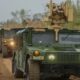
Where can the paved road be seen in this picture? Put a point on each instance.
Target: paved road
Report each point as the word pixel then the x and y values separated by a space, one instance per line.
pixel 5 69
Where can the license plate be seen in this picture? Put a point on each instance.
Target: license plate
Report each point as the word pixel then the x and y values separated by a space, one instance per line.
pixel 38 57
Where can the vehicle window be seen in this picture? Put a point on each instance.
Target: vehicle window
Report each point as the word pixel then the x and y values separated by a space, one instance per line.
pixel 69 38
pixel 42 38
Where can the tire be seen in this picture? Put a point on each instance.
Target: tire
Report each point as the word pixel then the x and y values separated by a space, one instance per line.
pixel 16 72
pixel 4 52
pixel 13 62
pixel 33 70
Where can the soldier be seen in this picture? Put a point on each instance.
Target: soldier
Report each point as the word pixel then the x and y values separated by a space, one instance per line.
pixel 53 12
pixel 60 12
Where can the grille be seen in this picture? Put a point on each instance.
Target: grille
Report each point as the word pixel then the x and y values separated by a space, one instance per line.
pixel 64 57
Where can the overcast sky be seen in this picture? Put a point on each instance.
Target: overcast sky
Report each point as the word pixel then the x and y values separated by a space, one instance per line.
pixel 35 6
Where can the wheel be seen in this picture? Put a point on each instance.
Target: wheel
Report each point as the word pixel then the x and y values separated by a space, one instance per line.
pixel 4 51
pixel 13 62
pixel 16 72
pixel 33 70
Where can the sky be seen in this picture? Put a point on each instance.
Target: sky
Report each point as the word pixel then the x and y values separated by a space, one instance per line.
pixel 33 6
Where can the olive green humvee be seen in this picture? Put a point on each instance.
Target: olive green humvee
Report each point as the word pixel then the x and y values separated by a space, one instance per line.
pixel 38 57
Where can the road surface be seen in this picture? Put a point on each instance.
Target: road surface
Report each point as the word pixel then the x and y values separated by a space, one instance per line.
pixel 5 69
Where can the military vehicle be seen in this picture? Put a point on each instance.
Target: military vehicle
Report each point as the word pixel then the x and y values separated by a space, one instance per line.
pixel 47 53
pixel 7 42
pixel 7 47
pixel 37 55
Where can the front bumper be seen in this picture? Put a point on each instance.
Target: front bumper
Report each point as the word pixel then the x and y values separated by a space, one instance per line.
pixel 58 58
pixel 60 70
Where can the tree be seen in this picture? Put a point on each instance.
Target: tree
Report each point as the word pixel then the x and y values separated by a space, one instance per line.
pixel 15 16
pixel 21 16
pixel 37 16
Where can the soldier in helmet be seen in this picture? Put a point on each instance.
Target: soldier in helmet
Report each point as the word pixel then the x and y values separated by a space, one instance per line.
pixel 60 12
pixel 53 12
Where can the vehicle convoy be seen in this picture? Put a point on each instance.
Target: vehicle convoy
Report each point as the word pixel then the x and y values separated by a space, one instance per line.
pixel 44 54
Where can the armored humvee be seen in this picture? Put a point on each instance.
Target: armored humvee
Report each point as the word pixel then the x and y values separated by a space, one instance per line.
pixel 38 57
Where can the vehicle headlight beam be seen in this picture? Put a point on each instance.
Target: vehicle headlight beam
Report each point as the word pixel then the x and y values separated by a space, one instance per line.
pixel 51 57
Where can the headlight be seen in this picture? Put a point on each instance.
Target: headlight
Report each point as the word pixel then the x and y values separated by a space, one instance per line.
pixel 51 57
pixel 36 53
pixel 12 43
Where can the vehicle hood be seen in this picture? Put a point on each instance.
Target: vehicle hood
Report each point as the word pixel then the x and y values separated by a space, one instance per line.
pixel 50 48
pixel 42 49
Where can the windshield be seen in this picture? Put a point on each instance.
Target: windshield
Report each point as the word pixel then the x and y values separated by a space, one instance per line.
pixel 42 38
pixel 69 38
